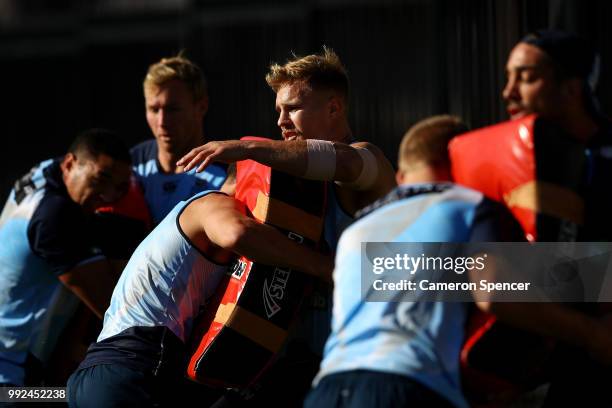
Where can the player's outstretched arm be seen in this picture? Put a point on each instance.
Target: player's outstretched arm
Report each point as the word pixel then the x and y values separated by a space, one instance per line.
pixel 217 224
pixel 359 166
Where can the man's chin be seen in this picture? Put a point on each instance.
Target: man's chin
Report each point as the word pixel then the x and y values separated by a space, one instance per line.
pixel 166 140
pixel 518 115
pixel 173 146
pixel 294 137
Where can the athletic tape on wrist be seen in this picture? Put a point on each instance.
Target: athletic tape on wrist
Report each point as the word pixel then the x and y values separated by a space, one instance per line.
pixel 321 160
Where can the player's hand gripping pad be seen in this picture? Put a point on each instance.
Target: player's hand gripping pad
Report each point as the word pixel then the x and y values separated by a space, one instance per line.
pixel 240 338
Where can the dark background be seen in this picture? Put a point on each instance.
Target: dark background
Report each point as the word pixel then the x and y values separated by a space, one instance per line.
pixel 67 65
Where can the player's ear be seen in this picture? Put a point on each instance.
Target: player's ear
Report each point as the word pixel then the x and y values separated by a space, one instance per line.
pixel 68 162
pixel 399 177
pixel 335 105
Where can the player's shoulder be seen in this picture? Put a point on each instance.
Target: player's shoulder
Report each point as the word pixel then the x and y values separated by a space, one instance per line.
pixel 56 207
pixel 144 151
pixel 368 146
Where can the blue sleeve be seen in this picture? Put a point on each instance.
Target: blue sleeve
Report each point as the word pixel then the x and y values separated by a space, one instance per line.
pixel 58 232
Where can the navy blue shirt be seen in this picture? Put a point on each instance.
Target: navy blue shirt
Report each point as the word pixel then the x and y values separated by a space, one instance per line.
pixel 164 190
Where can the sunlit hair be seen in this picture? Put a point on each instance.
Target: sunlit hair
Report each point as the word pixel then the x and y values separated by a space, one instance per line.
pixel 427 142
pixel 322 71
pixel 180 68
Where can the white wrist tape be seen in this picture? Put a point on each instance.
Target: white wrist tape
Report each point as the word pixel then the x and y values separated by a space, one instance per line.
pixel 321 160
pixel 369 171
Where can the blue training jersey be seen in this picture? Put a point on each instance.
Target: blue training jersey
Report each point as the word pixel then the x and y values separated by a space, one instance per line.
pixel 162 290
pixel 315 319
pixel 421 340
pixel 166 282
pixel 43 234
pixel 336 218
pixel 163 191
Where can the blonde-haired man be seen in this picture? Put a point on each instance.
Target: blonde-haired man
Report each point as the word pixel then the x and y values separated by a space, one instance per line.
pixel 176 101
pixel 312 104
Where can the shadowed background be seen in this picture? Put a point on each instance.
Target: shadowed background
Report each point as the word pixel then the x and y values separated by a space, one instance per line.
pixel 69 65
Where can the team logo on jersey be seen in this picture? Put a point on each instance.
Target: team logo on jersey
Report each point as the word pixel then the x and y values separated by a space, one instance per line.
pixel 295 237
pixel 25 186
pixel 238 268
pixel 274 291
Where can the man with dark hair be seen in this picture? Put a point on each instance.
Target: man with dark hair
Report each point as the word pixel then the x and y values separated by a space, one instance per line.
pixel 554 74
pixel 47 246
pixel 92 143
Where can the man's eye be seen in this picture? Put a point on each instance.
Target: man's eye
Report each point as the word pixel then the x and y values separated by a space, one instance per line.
pixel 528 76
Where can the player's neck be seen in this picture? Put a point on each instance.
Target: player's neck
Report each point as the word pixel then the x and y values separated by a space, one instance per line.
pixel 344 132
pixel 167 161
pixel 422 173
pixel 167 158
pixel 582 127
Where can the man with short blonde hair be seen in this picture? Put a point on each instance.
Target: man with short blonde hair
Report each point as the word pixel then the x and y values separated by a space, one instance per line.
pixel 319 71
pixel 176 102
pixel 180 68
pixel 312 105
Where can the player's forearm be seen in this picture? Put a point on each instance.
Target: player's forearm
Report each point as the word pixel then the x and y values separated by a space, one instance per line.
pixel 93 284
pixel 290 156
pixel 265 244
pixel 307 159
pixel 96 303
